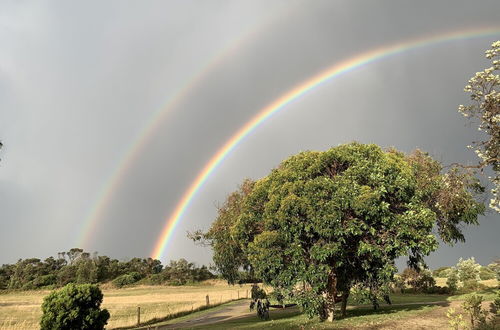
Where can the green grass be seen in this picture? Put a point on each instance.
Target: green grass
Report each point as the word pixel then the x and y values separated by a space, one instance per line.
pixel 407 298
pixel 488 294
pixel 357 315
pixel 293 319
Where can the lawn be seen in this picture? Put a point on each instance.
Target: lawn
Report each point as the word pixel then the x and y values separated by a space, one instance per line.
pixel 21 310
pixel 413 309
pixel 356 316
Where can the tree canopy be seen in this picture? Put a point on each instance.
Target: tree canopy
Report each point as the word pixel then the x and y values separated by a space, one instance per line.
pixel 484 89
pixel 322 222
pixel 77 266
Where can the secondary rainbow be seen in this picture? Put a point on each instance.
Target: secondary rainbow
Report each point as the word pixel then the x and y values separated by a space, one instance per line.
pixel 332 72
pixel 132 152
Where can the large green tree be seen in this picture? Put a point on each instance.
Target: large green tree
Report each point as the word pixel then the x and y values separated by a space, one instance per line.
pixel 324 221
pixel 484 89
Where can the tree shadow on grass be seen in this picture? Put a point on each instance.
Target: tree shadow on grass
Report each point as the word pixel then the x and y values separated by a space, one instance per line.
pixel 389 309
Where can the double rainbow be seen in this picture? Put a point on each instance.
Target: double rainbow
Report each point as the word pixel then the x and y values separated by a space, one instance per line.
pixel 332 72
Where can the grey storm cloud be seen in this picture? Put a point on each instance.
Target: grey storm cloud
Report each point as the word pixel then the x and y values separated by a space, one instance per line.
pixel 80 81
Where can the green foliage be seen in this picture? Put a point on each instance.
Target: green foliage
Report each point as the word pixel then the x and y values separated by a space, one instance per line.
pixel 324 221
pixel 228 255
pixel 86 271
pixel 420 280
pixel 484 89
pixel 452 280
pixel 45 280
pixel 311 304
pixel 66 275
pixel 486 273
pixel 441 272
pixel 74 307
pixel 468 270
pixel 495 267
pixel 472 305
pixel 455 320
pixel 258 293
pixel 470 286
pixel 78 266
pixel 496 303
pixel 126 279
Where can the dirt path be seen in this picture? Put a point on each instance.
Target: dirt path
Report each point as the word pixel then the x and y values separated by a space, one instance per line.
pixel 232 311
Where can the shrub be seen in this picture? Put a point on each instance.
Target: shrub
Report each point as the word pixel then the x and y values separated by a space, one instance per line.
pixel 452 281
pixel 471 286
pixel 472 305
pixel 486 274
pixel 420 280
pixel 441 272
pixel 436 289
pixel 126 279
pixel 496 304
pixel 495 267
pixel 156 279
pixel 455 320
pixel 45 280
pixel 74 307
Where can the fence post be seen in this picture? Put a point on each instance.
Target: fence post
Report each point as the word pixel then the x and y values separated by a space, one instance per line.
pixel 208 300
pixel 247 293
pixel 138 315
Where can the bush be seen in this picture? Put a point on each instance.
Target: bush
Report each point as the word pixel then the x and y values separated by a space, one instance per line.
pixel 45 280
pixel 486 274
pixel 126 279
pixel 472 285
pixel 74 307
pixel 441 272
pixel 496 304
pixel 452 281
pixel 436 289
pixel 472 305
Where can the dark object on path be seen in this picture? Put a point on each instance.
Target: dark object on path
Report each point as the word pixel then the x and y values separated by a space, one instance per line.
pixel 259 299
pixel 283 306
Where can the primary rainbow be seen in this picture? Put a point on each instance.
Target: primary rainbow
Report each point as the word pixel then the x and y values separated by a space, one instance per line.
pixel 332 72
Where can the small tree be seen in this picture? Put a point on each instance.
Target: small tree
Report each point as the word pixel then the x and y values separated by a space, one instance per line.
pixel 472 305
pixel 74 307
pixel 452 281
pixel 468 270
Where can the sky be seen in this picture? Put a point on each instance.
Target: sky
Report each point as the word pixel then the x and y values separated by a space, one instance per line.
pixel 82 82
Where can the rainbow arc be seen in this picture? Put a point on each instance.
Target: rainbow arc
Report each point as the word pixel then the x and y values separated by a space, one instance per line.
pixel 335 71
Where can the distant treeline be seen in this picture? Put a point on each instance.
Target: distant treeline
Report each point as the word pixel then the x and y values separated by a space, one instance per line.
pixel 77 266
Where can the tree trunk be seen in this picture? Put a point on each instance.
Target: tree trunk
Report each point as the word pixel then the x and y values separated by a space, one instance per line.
pixel 345 295
pixel 331 294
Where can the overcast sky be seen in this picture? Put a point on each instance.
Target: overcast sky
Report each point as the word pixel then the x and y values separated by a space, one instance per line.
pixel 79 81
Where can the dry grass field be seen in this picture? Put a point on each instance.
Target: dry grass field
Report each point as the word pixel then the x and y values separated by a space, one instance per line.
pixel 21 310
pixel 441 281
